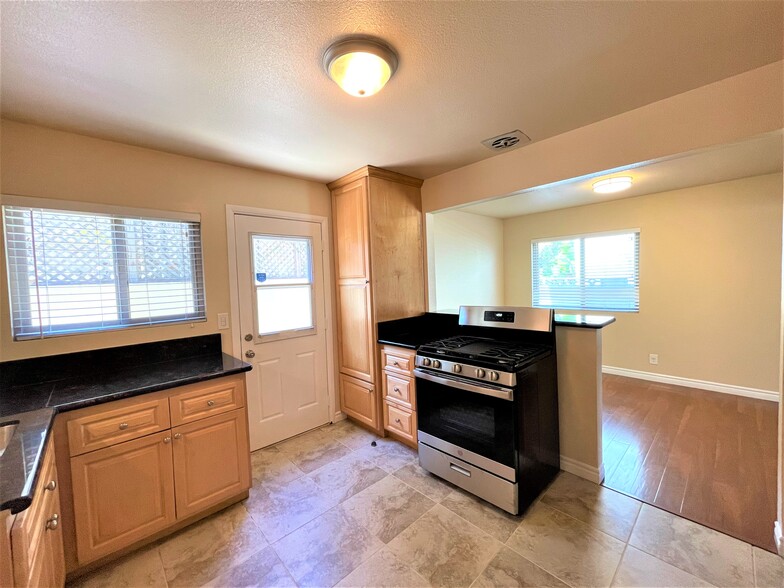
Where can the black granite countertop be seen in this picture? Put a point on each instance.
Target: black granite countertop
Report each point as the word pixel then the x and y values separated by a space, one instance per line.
pixel 34 391
pixel 418 330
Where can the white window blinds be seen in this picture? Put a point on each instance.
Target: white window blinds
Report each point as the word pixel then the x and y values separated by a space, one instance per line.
pixel 587 272
pixel 75 271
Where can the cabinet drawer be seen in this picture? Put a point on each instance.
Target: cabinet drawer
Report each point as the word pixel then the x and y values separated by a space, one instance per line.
pixel 400 421
pixel 202 400
pixel 102 428
pixel 398 360
pixel 35 552
pixel 399 388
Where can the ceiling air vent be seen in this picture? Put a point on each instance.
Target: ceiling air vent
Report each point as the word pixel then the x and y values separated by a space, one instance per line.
pixel 507 141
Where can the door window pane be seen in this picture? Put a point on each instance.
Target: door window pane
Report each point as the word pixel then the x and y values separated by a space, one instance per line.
pixel 283 279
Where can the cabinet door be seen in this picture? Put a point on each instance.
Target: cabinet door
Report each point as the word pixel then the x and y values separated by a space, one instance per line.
pixel 350 227
pixel 122 494
pixel 357 345
pixel 210 461
pixel 358 400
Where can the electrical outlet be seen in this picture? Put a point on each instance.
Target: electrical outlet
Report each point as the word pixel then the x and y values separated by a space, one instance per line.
pixel 653 358
pixel 223 320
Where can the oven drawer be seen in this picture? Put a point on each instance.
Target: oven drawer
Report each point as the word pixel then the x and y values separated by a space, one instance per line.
pixel 399 389
pixel 399 420
pixel 495 490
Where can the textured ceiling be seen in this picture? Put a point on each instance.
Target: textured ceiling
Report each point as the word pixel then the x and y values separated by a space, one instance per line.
pixel 753 157
pixel 241 82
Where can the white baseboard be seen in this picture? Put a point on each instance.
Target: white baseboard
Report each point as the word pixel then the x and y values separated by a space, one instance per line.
pixel 690 383
pixel 583 470
pixel 777 536
pixel 339 416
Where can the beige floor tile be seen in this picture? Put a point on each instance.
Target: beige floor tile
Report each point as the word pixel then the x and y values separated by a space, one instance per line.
pixel 263 569
pixel 199 553
pixel 445 549
pixel 607 510
pixel 280 509
pixel 431 486
pixel 347 475
pixel 383 570
pixel 327 549
pixel 640 570
pixel 351 435
pixel 567 548
pixel 386 508
pixel 389 455
pixel 270 465
pixel 490 519
pixel 140 568
pixel 703 552
pixel 768 569
pixel 312 450
pixel 509 568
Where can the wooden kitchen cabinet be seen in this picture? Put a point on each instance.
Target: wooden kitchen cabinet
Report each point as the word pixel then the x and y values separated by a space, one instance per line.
pixel 378 237
pixel 210 461
pixel 399 392
pixel 122 494
pixel 143 467
pixel 36 533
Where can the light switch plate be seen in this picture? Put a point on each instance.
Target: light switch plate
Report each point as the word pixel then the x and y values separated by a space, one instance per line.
pixel 223 320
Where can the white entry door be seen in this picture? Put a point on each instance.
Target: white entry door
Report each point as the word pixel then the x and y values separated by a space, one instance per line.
pixel 282 317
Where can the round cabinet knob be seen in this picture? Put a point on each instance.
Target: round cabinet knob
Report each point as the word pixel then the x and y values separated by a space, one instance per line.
pixel 480 373
pixel 51 486
pixel 494 376
pixel 457 368
pixel 53 523
pixel 436 363
pixel 397 421
pixel 426 361
pixel 250 354
pixel 210 403
pixel 167 439
pixel 178 435
pixel 123 426
pixel 396 389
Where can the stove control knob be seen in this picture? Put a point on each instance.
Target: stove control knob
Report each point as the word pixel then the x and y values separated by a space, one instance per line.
pixel 494 376
pixel 436 363
pixel 426 361
pixel 457 368
pixel 480 373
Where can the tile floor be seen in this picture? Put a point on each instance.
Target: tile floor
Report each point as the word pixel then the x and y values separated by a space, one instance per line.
pixel 327 508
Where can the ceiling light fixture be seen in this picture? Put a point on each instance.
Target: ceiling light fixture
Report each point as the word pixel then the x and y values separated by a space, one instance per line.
pixel 611 185
pixel 360 65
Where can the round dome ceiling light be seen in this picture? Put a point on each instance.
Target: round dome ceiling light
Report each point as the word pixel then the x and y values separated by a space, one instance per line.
pixel 612 185
pixel 360 65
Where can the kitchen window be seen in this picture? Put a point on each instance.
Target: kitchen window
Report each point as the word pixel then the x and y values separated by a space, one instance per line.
pixel 78 268
pixel 597 271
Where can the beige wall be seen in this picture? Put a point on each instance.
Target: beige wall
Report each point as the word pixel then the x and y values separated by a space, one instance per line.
pixel 467 257
pixel 710 278
pixel 40 162
pixel 730 110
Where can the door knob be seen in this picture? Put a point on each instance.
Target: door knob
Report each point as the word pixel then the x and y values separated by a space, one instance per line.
pixel 249 337
pixel 250 354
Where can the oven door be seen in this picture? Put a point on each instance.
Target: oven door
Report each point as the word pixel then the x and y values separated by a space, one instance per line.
pixel 469 415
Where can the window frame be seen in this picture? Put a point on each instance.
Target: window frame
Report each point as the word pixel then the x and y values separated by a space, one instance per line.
pixel 288 333
pixel 582 236
pixel 18 275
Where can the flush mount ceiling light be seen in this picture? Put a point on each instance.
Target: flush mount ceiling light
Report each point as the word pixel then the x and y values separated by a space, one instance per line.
pixel 611 185
pixel 361 65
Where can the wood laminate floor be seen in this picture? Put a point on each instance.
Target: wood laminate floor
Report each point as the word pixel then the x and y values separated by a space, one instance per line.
pixel 706 456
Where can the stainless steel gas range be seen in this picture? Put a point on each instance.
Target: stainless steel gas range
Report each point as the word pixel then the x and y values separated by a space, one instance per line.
pixel 488 405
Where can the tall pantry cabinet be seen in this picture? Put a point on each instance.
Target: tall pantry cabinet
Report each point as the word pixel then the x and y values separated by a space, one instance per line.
pixel 378 234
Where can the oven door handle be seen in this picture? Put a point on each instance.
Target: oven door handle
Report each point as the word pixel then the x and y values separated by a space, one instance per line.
pixel 502 393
